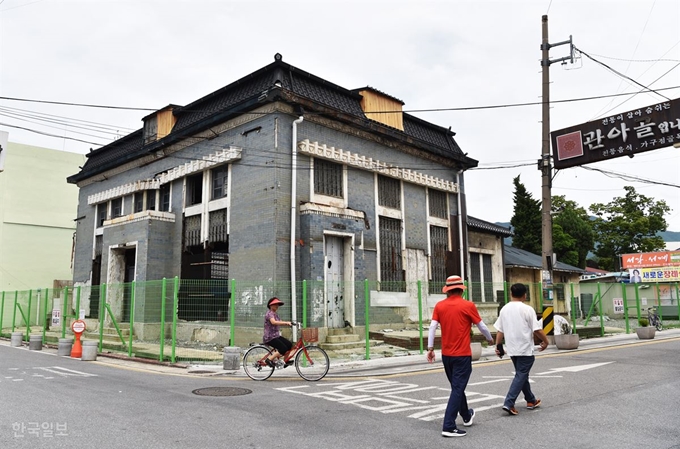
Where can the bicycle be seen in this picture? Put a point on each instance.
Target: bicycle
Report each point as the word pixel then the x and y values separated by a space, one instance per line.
pixel 654 319
pixel 311 362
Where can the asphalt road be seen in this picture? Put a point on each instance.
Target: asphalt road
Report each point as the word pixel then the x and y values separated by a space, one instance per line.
pixel 618 397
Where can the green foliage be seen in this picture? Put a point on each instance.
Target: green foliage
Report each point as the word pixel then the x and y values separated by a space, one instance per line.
pixel 628 224
pixel 526 221
pixel 644 322
pixel 571 220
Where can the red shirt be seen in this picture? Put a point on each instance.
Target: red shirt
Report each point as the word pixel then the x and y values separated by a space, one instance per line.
pixel 456 317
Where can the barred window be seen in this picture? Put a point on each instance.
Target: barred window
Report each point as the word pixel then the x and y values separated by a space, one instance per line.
pixel 391 272
pixel 437 202
pixel 138 202
pixel 438 246
pixel 559 291
pixel 102 210
pixel 328 178
pixel 217 226
pixel 219 182
pixel 116 207
pixel 389 192
pixel 192 231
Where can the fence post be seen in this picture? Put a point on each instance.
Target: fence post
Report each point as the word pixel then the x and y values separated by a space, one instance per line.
pixel 505 291
pixel 625 307
pixel 677 298
pixel 78 302
pixel 232 313
pixel 637 300
pixel 366 314
pixel 132 316
pixel 599 296
pixel 44 313
pixel 162 334
pixel 420 315
pixel 573 314
pixel 14 315
pixel 658 303
pixel 102 314
pixel 63 312
pixel 175 308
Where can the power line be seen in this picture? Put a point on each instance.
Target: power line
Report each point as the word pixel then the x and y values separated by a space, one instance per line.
pixel 50 135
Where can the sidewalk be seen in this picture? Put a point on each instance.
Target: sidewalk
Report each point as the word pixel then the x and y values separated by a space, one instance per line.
pixel 354 368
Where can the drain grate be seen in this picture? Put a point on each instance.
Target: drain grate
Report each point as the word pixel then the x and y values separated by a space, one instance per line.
pixel 222 391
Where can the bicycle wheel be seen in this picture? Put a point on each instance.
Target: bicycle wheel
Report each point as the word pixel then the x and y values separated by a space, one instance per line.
pixel 311 363
pixel 254 365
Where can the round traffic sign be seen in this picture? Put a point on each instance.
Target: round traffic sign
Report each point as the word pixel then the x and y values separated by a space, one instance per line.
pixel 78 326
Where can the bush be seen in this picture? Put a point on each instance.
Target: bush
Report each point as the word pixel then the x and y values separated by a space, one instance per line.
pixel 644 322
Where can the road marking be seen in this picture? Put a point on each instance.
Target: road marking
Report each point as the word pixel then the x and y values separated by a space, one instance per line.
pixel 574 369
pixel 64 372
pixel 489 382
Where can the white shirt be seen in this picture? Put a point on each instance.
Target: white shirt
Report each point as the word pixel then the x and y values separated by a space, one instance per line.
pixel 518 322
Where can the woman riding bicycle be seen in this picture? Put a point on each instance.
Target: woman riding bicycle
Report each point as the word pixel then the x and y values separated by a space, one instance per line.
pixel 272 334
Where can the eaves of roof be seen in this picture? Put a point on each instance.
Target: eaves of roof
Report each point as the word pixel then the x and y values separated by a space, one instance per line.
pixel 481 225
pixel 515 257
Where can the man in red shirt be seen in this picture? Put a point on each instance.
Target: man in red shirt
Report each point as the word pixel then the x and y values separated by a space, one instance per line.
pixel 456 316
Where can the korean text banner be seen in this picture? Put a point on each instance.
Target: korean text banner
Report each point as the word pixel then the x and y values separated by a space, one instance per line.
pixel 657 259
pixel 664 274
pixel 623 134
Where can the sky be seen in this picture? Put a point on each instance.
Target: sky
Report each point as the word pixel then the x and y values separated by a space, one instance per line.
pixel 446 60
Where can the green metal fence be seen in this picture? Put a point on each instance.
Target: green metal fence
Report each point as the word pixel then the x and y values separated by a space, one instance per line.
pixel 193 320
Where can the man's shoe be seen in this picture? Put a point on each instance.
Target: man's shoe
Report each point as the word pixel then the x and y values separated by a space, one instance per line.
pixel 472 417
pixel 510 410
pixel 269 363
pixel 533 405
pixel 290 362
pixel 453 433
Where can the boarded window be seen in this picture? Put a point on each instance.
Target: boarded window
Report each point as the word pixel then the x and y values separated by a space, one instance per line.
pixel 328 178
pixel 194 189
pixel 391 271
pixel 389 192
pixel 475 278
pixel 438 246
pixel 150 129
pixel 219 182
pixel 487 270
pixel 437 202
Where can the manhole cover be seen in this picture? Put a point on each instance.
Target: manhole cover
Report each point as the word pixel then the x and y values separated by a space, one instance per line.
pixel 221 391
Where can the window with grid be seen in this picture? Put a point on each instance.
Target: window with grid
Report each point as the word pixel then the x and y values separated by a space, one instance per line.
pixel 559 291
pixel 138 202
pixel 194 189
pixel 487 270
pixel 192 231
pixel 102 210
pixel 164 202
pixel 150 200
pixel 437 202
pixel 391 271
pixel 438 246
pixel 475 278
pixel 116 207
pixel 389 192
pixel 219 182
pixel 328 178
pixel 217 226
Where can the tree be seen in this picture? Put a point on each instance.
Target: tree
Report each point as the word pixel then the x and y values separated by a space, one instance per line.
pixel 526 221
pixel 575 223
pixel 628 224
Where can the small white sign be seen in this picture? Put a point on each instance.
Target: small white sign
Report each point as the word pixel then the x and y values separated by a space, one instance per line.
pixel 618 305
pixel 82 314
pixel 56 317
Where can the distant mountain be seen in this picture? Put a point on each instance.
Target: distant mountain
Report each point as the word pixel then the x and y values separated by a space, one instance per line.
pixel 667 236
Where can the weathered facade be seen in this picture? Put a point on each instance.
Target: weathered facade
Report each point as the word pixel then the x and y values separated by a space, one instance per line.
pixel 276 178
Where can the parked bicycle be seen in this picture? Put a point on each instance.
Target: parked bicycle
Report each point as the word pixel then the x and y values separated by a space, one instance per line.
pixel 311 362
pixel 654 319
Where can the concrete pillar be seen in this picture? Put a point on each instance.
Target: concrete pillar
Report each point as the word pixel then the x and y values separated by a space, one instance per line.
pixel 35 342
pixel 17 338
pixel 65 346
pixel 90 348
pixel 232 358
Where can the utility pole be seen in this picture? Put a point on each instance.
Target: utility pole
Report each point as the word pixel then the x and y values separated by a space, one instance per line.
pixel 545 165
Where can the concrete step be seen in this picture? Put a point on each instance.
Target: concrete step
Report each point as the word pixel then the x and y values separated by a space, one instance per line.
pixel 343 338
pixel 340 330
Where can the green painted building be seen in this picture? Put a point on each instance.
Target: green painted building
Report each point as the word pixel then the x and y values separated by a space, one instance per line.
pixel 37 212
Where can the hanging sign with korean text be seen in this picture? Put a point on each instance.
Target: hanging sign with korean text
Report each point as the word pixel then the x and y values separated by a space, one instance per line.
pixel 646 260
pixel 624 134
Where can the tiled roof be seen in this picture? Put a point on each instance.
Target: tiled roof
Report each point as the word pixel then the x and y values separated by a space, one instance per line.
pixel 476 223
pixel 516 257
pixel 249 92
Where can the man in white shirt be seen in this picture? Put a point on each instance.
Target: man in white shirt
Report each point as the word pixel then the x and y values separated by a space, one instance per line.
pixel 517 324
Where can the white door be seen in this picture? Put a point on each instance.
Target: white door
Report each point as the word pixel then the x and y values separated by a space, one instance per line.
pixel 335 281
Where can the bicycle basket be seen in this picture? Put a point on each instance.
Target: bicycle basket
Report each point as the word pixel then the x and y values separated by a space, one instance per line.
pixel 310 334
